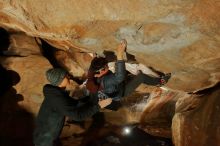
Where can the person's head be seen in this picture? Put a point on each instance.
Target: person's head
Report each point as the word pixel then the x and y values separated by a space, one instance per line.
pixel 57 77
pixel 99 66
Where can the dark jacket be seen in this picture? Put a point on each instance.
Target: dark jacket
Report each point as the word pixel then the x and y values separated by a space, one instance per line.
pixel 56 105
pixel 110 84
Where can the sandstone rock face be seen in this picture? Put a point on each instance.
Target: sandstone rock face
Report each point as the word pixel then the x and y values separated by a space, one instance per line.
pixel 198 126
pixel 181 37
pixel 68 62
pixel 171 36
pixel 22 45
pixel 31 70
pixel 22 97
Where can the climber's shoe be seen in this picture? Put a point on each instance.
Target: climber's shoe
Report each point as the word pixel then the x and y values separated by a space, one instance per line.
pixel 164 79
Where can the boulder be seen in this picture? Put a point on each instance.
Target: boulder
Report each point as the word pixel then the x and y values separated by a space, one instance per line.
pixel 169 36
pixel 197 120
pixel 31 71
pixel 22 45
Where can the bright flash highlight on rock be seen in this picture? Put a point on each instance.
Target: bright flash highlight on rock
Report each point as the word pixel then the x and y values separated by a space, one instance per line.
pixel 126 130
pixel 164 88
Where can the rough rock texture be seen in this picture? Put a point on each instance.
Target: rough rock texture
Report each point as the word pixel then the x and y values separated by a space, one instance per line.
pixel 153 108
pixel 77 64
pixel 181 37
pixel 171 36
pixel 22 45
pixel 198 125
pixel 32 79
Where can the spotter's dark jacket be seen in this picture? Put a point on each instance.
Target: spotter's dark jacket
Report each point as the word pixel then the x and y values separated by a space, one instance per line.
pixel 56 105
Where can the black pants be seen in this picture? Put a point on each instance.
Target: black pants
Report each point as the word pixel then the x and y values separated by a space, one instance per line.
pixel 132 85
pixel 139 79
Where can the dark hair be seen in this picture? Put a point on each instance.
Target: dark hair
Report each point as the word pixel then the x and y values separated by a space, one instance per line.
pixel 98 63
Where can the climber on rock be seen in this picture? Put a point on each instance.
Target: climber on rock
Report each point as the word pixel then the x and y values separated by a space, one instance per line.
pixel 56 105
pixel 103 83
